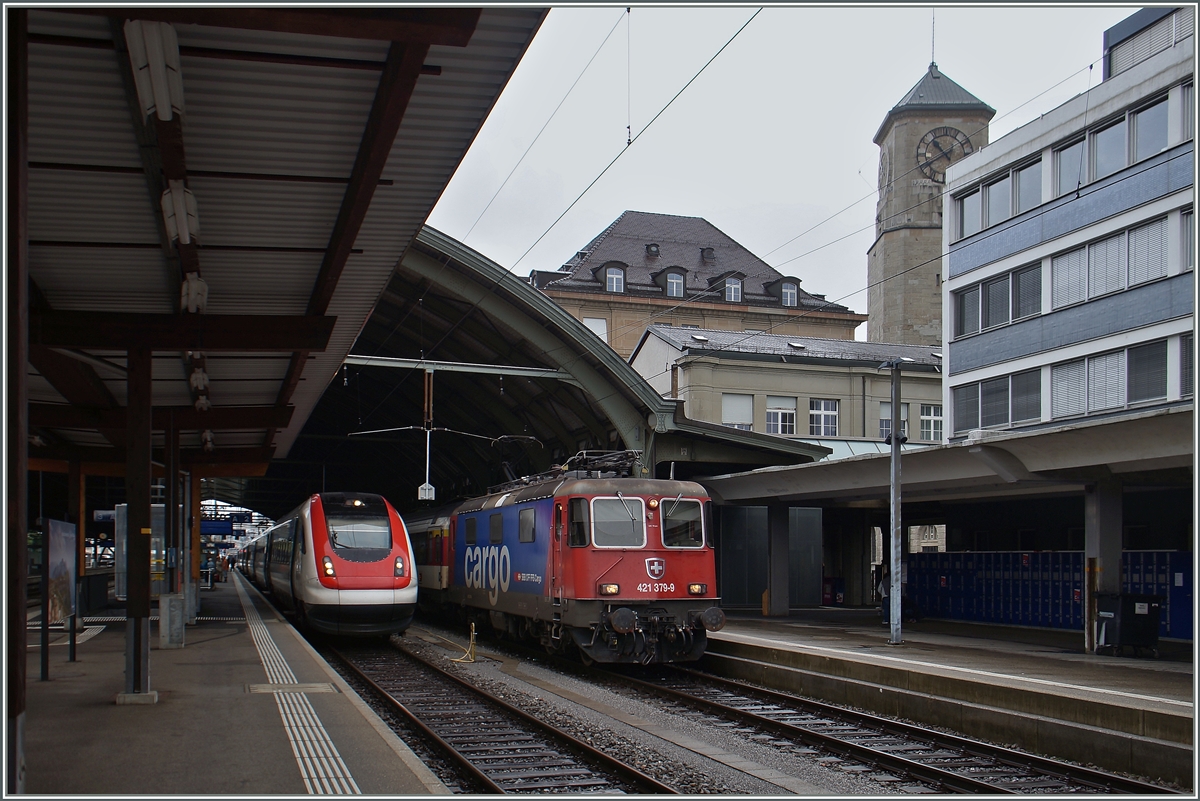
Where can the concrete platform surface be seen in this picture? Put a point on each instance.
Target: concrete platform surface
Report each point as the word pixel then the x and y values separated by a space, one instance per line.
pixel 246 707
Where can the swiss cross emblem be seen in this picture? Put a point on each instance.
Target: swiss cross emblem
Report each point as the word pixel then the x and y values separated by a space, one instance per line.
pixel 655 568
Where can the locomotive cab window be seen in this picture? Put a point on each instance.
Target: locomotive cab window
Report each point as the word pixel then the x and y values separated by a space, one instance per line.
pixel 682 525
pixel 577 523
pixel 358 523
pixel 470 533
pixel 495 529
pixel 619 522
pixel 525 526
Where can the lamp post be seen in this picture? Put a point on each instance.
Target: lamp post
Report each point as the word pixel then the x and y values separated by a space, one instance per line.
pixel 894 439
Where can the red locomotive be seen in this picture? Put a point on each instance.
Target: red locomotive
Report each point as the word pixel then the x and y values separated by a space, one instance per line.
pixel 587 557
pixel 341 561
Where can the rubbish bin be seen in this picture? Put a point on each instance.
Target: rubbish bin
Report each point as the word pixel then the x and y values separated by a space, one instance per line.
pixel 1128 619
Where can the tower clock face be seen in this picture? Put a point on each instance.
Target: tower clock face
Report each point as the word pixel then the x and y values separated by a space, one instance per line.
pixel 938 148
pixel 885 171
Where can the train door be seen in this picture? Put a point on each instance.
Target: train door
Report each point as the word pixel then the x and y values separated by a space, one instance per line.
pixel 298 548
pixel 556 550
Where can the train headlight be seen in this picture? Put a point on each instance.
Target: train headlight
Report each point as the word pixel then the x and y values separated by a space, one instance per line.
pixel 697 589
pixel 399 565
pixel 610 589
pixel 328 565
pixel 652 503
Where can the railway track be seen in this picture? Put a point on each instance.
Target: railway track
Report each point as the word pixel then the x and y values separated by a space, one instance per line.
pixel 944 762
pixel 497 747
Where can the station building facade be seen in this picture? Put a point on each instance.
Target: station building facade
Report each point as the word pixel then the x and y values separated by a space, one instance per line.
pixel 648 268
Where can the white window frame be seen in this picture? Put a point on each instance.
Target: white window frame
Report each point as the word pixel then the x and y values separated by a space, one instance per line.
pixel 675 282
pixel 733 290
pixel 733 411
pixel 781 415
pixel 598 326
pixel 885 419
pixel 932 422
pixel 789 294
pixel 822 417
pixel 614 280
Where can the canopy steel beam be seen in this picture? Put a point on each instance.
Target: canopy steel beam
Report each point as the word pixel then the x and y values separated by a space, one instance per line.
pixel 52 415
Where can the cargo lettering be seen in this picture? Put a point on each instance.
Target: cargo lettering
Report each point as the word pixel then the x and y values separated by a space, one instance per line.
pixel 488 568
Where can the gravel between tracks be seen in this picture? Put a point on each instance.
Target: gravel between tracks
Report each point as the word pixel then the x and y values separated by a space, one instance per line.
pixel 775 769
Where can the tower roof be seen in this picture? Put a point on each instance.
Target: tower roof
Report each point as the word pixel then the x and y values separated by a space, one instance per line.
pixel 934 92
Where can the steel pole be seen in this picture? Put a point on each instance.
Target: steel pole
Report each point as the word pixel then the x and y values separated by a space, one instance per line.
pixel 894 589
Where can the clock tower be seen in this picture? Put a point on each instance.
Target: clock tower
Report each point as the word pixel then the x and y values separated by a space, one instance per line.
pixel 936 123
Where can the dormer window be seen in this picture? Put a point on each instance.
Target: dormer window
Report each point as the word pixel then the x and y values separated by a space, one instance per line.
pixel 788 294
pixel 614 279
pixel 652 250
pixel 674 285
pixel 733 290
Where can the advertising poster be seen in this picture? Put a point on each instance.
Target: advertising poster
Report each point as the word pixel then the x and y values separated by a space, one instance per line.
pixel 62 558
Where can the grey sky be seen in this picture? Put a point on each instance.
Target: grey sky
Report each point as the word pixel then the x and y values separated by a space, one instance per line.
pixel 774 138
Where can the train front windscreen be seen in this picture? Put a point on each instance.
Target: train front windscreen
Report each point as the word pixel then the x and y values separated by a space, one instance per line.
pixel 358 523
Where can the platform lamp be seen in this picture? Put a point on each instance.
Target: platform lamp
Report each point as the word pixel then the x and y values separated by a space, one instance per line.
pixel 895 438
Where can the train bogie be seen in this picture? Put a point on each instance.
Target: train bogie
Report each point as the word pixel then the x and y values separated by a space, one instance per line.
pixel 619 569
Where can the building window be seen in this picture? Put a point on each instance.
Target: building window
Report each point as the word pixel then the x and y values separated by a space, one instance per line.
pixel 737 411
pixel 931 422
pixel 1029 186
pixel 822 417
pixel 614 278
pixel 966 407
pixel 969 208
pixel 1070 165
pixel 999 401
pixel 1068 278
pixel 967 311
pixel 885 419
pixel 1150 131
pixel 1068 389
pixel 1189 241
pixel 1147 370
pixel 995 302
pixel 1148 252
pixel 1026 390
pixel 1189 111
pixel 998 200
pixel 788 294
pixel 1187 361
pixel 1106 381
pixel 1108 149
pixel 1027 292
pixel 733 290
pixel 674 285
pixel 598 325
pixel 781 415
pixel 1106 266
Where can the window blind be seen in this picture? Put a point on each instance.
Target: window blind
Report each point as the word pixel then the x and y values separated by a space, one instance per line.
pixel 1027 396
pixel 1105 266
pixel 1106 381
pixel 994 402
pixel 1027 292
pixel 1068 389
pixel 1068 278
pixel 1148 252
pixel 966 407
pixel 1148 372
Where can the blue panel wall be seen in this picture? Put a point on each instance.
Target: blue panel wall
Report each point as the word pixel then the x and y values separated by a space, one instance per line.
pixel 1156 302
pixel 1148 180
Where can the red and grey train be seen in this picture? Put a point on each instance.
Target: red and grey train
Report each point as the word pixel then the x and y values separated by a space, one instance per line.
pixel 618 567
pixel 341 561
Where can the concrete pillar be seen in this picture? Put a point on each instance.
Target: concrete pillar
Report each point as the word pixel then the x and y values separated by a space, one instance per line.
pixel 1103 517
pixel 778 552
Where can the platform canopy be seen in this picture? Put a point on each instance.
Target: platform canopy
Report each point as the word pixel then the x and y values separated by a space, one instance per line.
pixel 230 189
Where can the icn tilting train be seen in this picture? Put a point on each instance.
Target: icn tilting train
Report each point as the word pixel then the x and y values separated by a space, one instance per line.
pixel 341 561
pixel 620 568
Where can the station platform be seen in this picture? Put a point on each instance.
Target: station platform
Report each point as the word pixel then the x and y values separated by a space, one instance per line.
pixel 245 707
pixel 1034 689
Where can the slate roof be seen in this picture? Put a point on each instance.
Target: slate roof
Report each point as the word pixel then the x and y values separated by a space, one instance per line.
pixel 681 242
pixel 935 92
pixel 741 342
